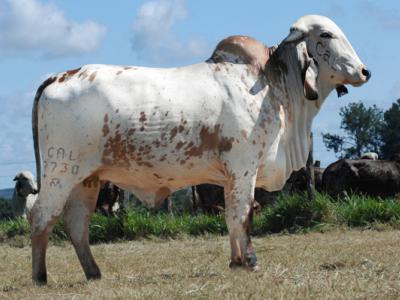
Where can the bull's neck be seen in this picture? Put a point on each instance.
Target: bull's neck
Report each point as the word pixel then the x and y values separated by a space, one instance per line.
pixel 286 88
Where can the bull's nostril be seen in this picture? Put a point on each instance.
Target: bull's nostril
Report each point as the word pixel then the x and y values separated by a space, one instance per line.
pixel 366 73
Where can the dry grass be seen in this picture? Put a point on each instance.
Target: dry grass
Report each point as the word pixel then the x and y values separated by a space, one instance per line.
pixel 341 264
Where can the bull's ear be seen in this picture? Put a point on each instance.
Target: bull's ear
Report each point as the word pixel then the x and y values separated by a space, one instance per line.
pixel 310 80
pixel 295 35
pixel 15 178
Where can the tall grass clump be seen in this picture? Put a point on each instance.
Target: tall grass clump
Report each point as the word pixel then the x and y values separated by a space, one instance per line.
pixel 359 211
pixel 201 224
pixel 138 224
pixel 14 227
pixel 105 228
pixel 296 211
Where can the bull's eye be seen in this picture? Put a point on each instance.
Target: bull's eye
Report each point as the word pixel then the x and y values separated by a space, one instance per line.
pixel 326 35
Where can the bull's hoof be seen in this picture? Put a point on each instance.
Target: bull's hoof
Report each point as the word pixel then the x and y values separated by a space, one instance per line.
pixel 234 264
pixel 251 259
pixel 40 279
pixel 254 269
pixel 93 276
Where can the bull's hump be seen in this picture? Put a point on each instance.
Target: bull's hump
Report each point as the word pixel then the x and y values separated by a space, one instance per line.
pixel 241 49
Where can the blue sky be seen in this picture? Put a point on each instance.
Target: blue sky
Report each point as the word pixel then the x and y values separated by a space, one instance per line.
pixel 41 37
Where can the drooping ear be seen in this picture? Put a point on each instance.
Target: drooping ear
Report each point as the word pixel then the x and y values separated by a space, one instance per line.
pixel 310 80
pixel 15 178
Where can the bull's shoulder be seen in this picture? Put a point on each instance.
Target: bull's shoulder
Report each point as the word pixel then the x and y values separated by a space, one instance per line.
pixel 240 49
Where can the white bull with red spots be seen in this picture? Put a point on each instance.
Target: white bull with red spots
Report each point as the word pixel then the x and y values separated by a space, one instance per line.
pixel 241 119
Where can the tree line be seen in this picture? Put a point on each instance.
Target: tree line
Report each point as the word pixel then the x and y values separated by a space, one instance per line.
pixel 366 129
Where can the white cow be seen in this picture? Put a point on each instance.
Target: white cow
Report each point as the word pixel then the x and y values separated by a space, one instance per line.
pixel 370 155
pixel 25 194
pixel 240 120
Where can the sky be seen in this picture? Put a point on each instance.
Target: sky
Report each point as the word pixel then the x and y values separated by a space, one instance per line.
pixel 43 37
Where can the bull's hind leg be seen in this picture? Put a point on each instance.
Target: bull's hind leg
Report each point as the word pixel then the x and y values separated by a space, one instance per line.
pixel 44 214
pixel 80 206
pixel 239 195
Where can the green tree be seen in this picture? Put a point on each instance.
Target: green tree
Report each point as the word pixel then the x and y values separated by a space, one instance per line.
pixel 362 128
pixel 391 131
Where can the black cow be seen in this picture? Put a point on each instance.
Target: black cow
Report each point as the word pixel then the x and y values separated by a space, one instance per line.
pixel 297 181
pixel 108 196
pixel 369 177
pixel 211 198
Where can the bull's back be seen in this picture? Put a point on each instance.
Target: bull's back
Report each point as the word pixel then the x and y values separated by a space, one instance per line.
pixel 150 123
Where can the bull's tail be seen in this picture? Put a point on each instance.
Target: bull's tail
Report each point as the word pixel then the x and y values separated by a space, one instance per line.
pixel 35 127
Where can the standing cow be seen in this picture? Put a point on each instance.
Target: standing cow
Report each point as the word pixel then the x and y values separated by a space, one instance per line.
pixel 241 119
pixel 109 196
pixel 25 194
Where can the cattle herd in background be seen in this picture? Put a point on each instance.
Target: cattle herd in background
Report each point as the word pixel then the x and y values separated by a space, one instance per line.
pixel 367 175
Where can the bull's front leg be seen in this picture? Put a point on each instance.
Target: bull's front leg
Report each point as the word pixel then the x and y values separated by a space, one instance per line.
pixel 239 196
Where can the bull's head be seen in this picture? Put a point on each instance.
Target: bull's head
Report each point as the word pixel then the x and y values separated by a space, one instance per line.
pixel 326 56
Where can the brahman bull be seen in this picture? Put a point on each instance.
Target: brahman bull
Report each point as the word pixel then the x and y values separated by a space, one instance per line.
pixel 241 119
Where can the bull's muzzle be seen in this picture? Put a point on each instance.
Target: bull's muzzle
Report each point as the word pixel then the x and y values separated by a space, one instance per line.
pixel 366 73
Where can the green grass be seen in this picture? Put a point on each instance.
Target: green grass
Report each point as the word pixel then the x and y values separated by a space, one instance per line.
pixel 359 211
pixel 14 227
pixel 291 213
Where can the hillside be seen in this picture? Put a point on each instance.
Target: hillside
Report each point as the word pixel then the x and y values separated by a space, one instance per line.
pixel 6 193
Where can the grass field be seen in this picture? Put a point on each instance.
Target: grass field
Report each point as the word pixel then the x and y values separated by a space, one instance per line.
pixel 338 264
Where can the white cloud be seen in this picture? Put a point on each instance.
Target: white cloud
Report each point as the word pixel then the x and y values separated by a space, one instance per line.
pixel 153 36
pixel 29 26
